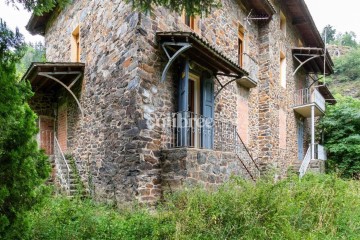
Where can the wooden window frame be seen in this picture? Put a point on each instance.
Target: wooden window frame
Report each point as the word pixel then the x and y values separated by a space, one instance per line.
pixel 283 69
pixel 75 45
pixel 241 45
pixel 191 21
pixel 283 23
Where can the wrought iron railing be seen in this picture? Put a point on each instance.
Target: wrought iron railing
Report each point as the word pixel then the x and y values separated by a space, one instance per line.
pixel 62 167
pixel 304 97
pixel 191 130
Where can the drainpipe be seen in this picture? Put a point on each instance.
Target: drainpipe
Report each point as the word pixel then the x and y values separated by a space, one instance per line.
pixel 312 132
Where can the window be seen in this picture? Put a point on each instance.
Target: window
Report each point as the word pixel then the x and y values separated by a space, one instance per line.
pixel 283 23
pixel 282 69
pixel 191 21
pixel 241 46
pixel 75 45
pixel 195 114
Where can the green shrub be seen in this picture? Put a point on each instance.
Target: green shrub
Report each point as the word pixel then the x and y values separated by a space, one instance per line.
pixel 317 207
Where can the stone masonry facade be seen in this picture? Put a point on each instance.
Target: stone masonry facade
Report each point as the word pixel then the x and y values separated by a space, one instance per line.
pixel 119 145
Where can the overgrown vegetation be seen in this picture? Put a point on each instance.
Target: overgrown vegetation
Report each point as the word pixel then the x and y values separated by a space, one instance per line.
pixel 22 166
pixel 341 129
pixel 317 207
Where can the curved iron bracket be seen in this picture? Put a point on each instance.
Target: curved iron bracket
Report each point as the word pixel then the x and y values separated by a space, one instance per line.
pixel 302 63
pixel 184 47
pixel 66 87
pixel 222 86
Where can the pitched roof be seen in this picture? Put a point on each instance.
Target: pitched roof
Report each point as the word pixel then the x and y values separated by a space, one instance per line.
pixel 203 52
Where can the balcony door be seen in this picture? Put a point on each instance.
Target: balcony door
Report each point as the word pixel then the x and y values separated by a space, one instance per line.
pixel 300 138
pixel 46 134
pixel 195 109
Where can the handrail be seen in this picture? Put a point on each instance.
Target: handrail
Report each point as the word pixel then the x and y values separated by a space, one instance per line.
pixel 186 129
pixel 305 163
pixel 247 150
pixel 304 96
pixel 59 167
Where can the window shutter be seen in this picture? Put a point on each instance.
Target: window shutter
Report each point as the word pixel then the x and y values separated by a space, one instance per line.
pixel 183 100
pixel 207 110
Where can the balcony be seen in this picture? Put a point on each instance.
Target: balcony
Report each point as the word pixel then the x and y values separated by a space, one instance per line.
pixel 304 99
pixel 251 66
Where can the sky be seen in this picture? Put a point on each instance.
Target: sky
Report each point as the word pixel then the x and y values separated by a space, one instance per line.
pixel 343 15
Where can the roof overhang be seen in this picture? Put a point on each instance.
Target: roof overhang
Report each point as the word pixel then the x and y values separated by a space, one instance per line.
pixel 188 44
pixel 47 77
pixel 261 7
pixel 303 21
pixel 312 60
pixel 37 24
pixel 65 72
pixel 325 92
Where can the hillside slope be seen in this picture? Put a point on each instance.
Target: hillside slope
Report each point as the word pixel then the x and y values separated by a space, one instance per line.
pixel 346 79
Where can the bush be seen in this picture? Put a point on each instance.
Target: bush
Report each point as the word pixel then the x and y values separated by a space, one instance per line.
pixel 341 131
pixel 317 207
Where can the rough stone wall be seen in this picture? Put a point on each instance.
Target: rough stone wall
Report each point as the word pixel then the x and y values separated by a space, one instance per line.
pixel 118 144
pixel 185 166
pixel 42 104
pixel 220 29
pixel 273 98
pixel 106 142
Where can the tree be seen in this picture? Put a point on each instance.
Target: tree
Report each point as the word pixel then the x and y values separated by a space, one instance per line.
pixel 39 6
pixel 23 167
pixel 346 39
pixel 191 7
pixel 341 129
pixel 347 67
pixel 34 53
pixel 328 32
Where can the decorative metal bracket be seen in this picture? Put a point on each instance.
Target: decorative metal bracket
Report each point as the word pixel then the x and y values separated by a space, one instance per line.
pixel 68 88
pixel 311 57
pixel 249 17
pixel 184 47
pixel 222 86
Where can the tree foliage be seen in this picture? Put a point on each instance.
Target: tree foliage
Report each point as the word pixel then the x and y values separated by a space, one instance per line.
pixel 34 52
pixel 191 7
pixel 39 6
pixel 341 129
pixel 22 166
pixel 347 67
pixel 329 32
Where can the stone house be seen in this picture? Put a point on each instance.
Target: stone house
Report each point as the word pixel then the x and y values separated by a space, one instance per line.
pixel 147 102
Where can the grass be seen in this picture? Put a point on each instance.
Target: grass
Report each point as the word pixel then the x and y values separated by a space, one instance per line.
pixel 317 207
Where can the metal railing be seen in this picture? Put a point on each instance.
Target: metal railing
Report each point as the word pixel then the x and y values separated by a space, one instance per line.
pixel 318 99
pixel 251 66
pixel 304 97
pixel 62 167
pixel 305 163
pixel 191 130
pixel 320 152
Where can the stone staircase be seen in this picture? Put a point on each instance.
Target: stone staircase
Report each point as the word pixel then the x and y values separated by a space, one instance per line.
pixel 315 166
